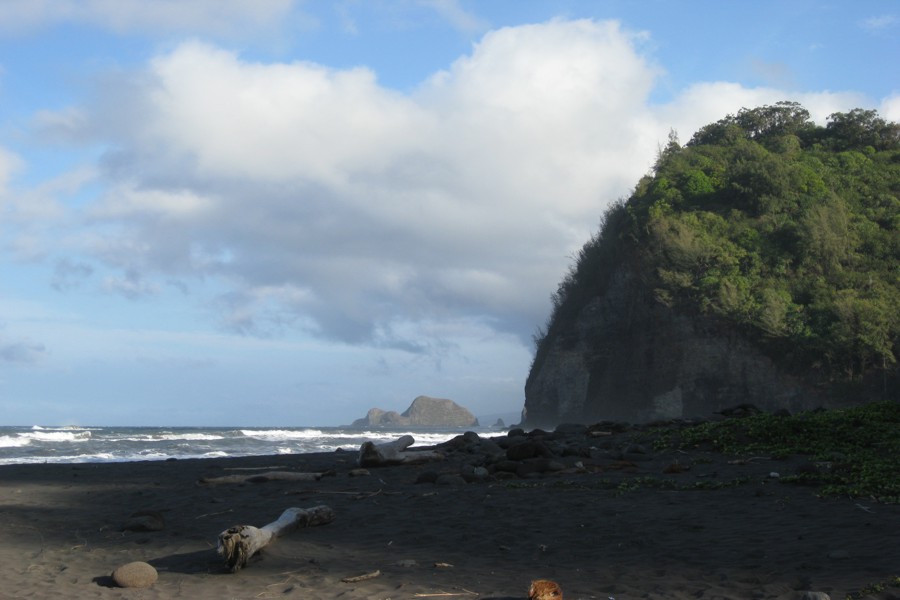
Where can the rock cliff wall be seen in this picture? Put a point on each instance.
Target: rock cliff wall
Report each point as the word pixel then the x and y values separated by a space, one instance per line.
pixel 626 357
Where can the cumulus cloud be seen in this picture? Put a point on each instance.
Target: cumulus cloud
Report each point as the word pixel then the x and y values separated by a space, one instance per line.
pixel 890 108
pixel 326 201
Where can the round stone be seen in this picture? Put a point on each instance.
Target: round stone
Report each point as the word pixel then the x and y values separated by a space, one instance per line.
pixel 135 575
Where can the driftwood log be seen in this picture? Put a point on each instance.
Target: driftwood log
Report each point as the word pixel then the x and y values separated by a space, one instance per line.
pixel 267 476
pixel 237 544
pixel 394 453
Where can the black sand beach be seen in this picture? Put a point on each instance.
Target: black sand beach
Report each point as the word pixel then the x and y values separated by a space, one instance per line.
pixel 602 527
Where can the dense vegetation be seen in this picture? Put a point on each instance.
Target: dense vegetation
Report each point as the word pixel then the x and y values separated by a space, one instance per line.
pixel 857 449
pixel 788 230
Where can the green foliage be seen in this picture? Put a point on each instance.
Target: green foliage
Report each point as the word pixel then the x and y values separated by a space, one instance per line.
pixel 862 129
pixel 767 123
pixel 860 446
pixel 788 230
pixel 875 588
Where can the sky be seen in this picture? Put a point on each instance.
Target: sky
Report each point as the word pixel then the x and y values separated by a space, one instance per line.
pixel 286 212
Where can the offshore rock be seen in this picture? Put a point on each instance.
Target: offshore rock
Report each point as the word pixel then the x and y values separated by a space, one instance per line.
pixel 424 412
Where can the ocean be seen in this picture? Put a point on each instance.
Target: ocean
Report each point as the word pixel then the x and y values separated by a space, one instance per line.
pixel 36 444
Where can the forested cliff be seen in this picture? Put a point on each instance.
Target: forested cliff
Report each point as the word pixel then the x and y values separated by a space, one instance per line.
pixel 759 263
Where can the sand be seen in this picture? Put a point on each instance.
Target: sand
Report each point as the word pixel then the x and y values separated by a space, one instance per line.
pixel 602 531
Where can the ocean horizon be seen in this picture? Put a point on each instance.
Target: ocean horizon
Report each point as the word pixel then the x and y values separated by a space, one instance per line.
pixel 38 444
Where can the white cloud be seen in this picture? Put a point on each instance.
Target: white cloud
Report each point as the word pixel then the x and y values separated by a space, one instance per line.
pixel 880 22
pixel 328 202
pixel 890 108
pixel 33 220
pixel 217 17
pixel 295 122
pixel 455 14
pixel 10 164
pixel 126 201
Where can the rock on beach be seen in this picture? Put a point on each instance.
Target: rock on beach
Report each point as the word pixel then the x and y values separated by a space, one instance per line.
pixel 135 575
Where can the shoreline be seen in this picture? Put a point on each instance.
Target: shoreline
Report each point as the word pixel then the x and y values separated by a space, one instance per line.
pixel 126 444
pixel 600 532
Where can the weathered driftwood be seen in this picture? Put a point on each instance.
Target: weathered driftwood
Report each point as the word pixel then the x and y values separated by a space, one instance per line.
pixel 267 476
pixel 363 577
pixel 393 453
pixel 237 544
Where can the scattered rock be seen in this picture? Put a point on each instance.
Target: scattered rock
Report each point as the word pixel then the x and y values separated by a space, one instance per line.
pixel 676 467
pixel 491 448
pixel 480 473
pixel 505 466
pixel 571 429
pixel 522 451
pixel 135 575
pixel 467 472
pixel 740 411
pixel 427 477
pixel 635 449
pixel 450 479
pixel 471 437
pixel 528 449
pixel 145 520
pixel 814 596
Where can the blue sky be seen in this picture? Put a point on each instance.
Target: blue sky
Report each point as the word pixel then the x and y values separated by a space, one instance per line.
pixel 229 212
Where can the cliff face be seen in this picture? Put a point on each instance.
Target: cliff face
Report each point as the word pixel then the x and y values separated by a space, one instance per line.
pixel 626 357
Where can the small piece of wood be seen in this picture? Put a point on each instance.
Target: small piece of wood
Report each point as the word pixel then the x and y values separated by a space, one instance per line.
pixel 363 577
pixel 393 453
pixel 237 544
pixel 263 477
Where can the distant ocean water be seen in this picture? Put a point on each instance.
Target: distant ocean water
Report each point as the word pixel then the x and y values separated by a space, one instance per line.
pixel 36 444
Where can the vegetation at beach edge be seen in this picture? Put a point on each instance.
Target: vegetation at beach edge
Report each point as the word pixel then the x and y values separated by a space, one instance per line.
pixel 875 588
pixel 853 452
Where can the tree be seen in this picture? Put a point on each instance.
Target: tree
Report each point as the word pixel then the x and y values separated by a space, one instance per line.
pixel 859 129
